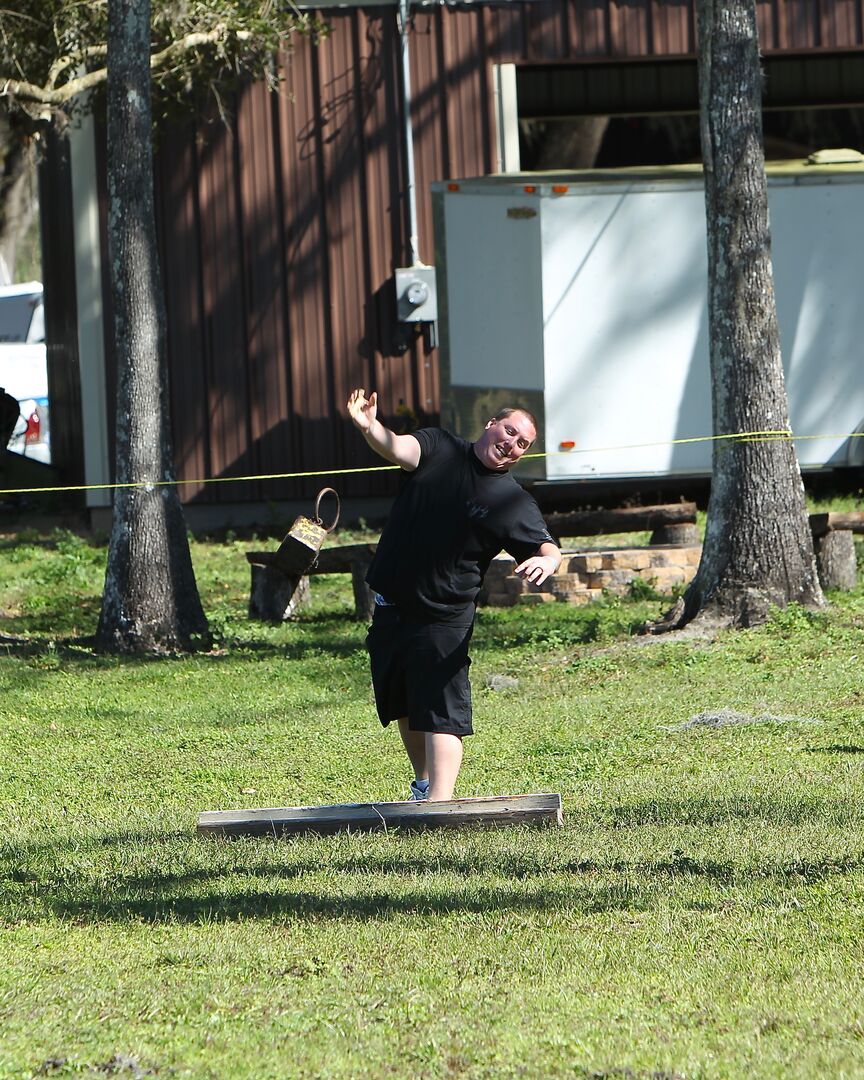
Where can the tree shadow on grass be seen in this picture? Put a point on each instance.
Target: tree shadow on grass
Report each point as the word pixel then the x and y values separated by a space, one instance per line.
pixel 838 748
pixel 82 651
pixel 283 884
pixel 166 901
pixel 306 904
pixel 718 811
pixel 299 650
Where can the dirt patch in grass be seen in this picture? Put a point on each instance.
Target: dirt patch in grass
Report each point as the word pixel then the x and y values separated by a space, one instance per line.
pixel 721 718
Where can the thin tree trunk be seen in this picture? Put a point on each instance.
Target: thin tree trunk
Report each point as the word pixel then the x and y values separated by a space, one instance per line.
pixel 151 602
pixel 758 550
pixel 18 198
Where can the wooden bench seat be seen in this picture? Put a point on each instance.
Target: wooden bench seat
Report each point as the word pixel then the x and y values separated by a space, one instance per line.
pixel 837 521
pixel 276 595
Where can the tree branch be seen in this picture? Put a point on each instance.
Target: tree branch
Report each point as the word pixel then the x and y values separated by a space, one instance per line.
pixel 195 41
pixel 43 95
pixel 78 57
pixel 57 97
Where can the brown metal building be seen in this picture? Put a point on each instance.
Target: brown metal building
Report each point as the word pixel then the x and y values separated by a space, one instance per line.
pixel 280 233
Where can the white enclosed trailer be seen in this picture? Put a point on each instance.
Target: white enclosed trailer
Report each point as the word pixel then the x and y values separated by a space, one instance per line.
pixel 584 296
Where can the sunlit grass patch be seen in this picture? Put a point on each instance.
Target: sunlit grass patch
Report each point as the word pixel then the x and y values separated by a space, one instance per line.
pixel 698 915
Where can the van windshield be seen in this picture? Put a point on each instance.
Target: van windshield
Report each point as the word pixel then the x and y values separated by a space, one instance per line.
pixel 15 315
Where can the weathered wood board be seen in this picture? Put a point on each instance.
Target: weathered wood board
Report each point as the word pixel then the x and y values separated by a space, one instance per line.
pixel 330 560
pixel 837 521
pixel 541 809
pixel 272 594
pixel 625 519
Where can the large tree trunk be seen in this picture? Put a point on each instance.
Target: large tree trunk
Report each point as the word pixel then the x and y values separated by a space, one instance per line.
pixel 758 550
pixel 151 601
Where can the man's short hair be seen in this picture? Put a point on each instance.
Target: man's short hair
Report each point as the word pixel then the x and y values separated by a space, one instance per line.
pixel 508 410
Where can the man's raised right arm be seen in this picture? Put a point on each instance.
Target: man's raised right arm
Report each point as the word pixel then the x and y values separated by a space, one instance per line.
pixel 402 450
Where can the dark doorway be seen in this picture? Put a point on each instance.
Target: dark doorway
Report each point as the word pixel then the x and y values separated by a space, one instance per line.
pixel 645 112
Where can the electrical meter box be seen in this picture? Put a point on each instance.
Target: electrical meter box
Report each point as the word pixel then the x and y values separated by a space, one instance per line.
pixel 583 296
pixel 416 294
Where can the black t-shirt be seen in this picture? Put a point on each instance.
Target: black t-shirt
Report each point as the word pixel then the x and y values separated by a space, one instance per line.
pixel 451 518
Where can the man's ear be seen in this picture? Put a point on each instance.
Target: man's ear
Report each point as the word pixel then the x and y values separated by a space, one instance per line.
pixel 489 423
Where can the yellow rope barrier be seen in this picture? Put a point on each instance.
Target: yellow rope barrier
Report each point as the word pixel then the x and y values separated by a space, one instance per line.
pixel 740 436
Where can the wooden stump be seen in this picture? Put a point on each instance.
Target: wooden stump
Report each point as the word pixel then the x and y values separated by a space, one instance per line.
pixel 835 559
pixel 364 597
pixel 276 596
pixel 686 534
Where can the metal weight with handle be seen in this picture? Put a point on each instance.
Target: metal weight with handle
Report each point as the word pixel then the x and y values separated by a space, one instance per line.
pixel 299 550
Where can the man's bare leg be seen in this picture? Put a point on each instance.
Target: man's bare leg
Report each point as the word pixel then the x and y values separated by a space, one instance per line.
pixel 415 747
pixel 443 760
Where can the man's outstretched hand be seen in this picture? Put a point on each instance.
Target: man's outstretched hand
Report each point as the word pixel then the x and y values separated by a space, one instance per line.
pixel 362 410
pixel 401 450
pixel 540 566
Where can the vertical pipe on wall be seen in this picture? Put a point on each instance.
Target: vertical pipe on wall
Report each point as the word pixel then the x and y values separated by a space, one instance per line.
pixel 402 16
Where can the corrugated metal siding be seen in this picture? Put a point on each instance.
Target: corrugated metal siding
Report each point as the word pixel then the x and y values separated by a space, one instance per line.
pixel 304 254
pixel 261 238
pixel 789 25
pixel 280 235
pixel 180 232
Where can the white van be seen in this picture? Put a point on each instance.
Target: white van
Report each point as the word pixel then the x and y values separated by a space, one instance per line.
pixel 23 366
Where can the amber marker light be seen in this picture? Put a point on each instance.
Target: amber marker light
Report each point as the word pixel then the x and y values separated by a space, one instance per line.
pixel 568 444
pixel 530 188
pixel 560 189
pixel 452 187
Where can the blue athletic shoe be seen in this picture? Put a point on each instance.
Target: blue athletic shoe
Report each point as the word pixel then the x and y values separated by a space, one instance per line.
pixel 419 791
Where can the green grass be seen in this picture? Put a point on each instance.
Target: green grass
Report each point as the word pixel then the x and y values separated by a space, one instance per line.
pixel 698 916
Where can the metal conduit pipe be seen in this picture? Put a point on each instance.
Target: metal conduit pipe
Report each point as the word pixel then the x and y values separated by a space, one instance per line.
pixel 402 16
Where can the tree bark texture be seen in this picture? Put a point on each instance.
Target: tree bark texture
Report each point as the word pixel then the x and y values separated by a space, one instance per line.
pixel 151 601
pixel 758 549
pixel 275 596
pixel 836 561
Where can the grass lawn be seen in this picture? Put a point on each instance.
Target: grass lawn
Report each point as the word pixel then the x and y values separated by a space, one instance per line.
pixel 699 915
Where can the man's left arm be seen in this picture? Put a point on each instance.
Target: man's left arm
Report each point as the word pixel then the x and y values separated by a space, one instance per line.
pixel 537 567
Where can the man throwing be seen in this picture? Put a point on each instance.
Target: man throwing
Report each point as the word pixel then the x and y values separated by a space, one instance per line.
pixel 457 510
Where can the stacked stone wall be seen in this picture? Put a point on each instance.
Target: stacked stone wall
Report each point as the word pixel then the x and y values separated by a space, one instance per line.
pixel 586 575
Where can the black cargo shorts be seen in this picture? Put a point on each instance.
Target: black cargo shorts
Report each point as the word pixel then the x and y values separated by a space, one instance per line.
pixel 420 670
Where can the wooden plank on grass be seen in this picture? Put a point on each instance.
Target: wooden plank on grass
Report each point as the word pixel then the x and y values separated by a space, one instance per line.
pixel 543 809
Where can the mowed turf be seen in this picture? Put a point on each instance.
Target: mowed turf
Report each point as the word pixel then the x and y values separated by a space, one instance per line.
pixel 699 915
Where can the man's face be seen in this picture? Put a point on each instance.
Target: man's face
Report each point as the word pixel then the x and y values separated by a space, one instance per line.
pixel 503 442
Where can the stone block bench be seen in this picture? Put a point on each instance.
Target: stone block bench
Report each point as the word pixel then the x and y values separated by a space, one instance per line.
pixel 670 559
pixel 586 575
